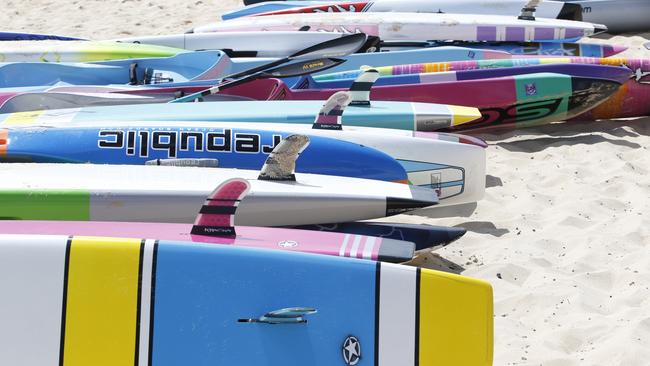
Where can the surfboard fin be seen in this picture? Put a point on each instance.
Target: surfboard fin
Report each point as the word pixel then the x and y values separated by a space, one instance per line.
pixel 281 163
pixel 217 215
pixel 528 11
pixel 360 89
pixel 282 316
pixel 331 114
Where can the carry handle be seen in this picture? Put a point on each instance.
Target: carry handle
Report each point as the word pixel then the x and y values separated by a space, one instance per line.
pixel 283 316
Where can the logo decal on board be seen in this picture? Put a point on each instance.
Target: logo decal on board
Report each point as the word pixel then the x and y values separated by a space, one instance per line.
pixel 531 89
pixel 351 351
pixel 288 244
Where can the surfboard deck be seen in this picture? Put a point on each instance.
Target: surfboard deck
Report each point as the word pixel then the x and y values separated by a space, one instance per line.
pixel 94 300
pixel 284 239
pixel 146 193
pixel 416 26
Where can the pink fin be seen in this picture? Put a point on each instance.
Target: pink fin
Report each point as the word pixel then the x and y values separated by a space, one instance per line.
pixel 330 115
pixel 217 216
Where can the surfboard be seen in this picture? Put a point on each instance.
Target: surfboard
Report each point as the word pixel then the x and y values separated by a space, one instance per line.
pixel 416 26
pixel 452 165
pixel 643 65
pixel 214 225
pixel 628 100
pixel 395 115
pixel 239 44
pixel 174 194
pixel 79 300
pixel 79 51
pixel 423 236
pixel 225 147
pixel 511 102
pixel 544 48
pixel 200 65
pixel 545 9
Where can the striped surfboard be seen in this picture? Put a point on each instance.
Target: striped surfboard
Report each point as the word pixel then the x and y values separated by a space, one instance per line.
pixel 115 301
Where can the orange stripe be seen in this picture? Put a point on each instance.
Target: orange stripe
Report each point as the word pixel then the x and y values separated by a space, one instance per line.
pixel 4 141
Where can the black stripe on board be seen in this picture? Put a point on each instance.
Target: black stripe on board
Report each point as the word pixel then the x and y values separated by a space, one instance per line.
pixel 417 317
pixel 139 302
pixel 153 299
pixel 377 293
pixel 218 210
pixel 66 270
pixel 364 86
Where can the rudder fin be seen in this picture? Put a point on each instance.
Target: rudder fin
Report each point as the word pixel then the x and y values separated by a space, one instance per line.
pixel 331 114
pixel 217 215
pixel 360 89
pixel 281 163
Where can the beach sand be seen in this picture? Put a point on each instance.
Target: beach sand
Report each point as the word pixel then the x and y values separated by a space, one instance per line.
pixel 563 231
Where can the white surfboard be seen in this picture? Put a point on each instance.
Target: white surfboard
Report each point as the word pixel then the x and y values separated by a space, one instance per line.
pixel 415 26
pixel 546 9
pixel 239 44
pixel 174 194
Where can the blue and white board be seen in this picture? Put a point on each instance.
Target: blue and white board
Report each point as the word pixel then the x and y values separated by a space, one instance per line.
pixel 118 302
pixel 229 147
pixel 199 65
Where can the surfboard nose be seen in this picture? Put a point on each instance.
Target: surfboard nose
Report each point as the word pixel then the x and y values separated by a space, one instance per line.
pixel 600 28
pixel 613 50
pixel 432 117
pixel 420 197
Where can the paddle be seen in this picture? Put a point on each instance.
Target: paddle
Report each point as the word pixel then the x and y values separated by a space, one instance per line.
pixel 284 71
pixel 330 49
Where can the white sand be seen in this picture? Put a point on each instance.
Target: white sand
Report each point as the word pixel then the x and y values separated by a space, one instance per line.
pixel 562 234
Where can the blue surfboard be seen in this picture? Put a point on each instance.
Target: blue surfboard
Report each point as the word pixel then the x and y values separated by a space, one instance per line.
pixel 227 147
pixel 114 301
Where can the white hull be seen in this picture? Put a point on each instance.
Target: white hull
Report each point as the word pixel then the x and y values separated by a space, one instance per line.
pixel 463 162
pixel 264 44
pixel 175 194
pixel 414 26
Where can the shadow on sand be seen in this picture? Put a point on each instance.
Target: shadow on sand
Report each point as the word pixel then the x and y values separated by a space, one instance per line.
pixel 539 138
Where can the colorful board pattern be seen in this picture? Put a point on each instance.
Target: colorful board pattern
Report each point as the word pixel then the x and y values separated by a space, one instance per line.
pixel 512 101
pixel 433 67
pixel 118 302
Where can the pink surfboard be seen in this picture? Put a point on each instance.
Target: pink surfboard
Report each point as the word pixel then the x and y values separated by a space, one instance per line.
pixel 214 225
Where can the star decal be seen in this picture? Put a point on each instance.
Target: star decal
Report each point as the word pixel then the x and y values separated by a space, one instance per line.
pixel 351 351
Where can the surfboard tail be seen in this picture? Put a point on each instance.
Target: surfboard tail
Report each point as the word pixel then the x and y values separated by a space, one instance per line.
pixel 465 312
pixel 430 318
